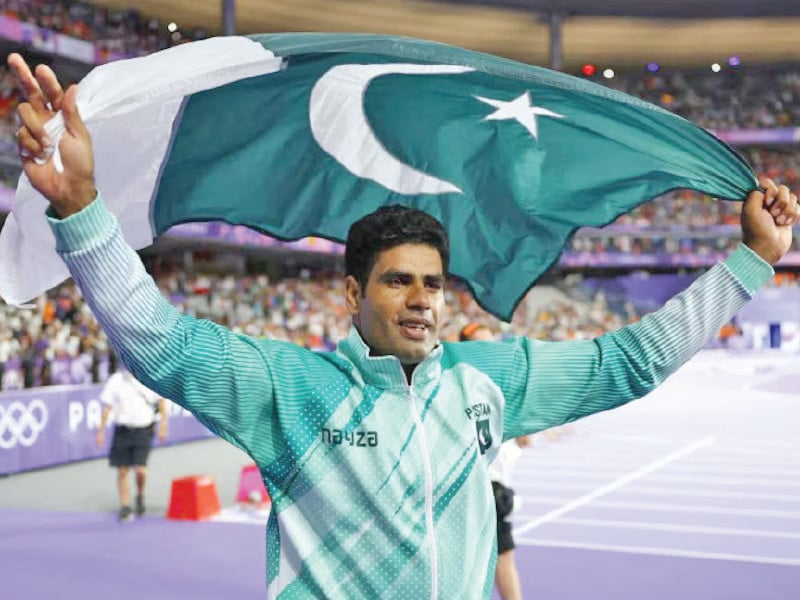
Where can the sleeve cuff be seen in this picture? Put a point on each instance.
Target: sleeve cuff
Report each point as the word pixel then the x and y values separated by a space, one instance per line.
pixel 750 269
pixel 84 229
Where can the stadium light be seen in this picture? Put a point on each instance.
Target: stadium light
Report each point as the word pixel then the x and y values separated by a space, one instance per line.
pixel 653 67
pixel 588 70
pixel 716 68
pixel 172 27
pixel 608 73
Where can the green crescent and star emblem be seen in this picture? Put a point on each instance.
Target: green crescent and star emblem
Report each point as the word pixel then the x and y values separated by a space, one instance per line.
pixel 326 137
pixel 484 435
pixel 341 128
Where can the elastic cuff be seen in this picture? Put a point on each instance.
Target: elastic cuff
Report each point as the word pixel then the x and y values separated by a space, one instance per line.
pixel 84 229
pixel 749 268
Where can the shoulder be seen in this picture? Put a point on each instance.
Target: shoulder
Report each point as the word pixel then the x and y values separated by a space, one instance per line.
pixel 481 353
pixel 287 359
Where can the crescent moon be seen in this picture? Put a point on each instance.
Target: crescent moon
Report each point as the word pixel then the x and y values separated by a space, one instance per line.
pixel 482 437
pixel 340 127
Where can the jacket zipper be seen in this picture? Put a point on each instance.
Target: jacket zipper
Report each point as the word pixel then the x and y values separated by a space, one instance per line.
pixel 430 532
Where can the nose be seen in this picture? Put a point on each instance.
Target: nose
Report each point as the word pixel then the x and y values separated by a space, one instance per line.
pixel 418 298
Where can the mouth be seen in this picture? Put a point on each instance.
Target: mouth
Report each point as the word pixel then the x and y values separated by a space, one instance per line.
pixel 414 329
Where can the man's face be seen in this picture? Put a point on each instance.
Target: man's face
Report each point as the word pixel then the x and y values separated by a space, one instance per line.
pixel 400 312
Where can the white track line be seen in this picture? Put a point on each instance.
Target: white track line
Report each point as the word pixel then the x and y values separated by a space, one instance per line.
pixel 787 443
pixel 708 480
pixel 617 483
pixel 711 480
pixel 737 450
pixel 555 468
pixel 734 469
pixel 794 562
pixel 639 437
pixel 655 506
pixel 592 456
pixel 759 533
pixel 659 491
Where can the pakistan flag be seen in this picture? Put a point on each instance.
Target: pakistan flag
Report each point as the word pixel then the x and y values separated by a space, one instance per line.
pixel 302 134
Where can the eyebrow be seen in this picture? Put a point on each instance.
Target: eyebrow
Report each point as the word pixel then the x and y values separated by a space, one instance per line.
pixel 406 276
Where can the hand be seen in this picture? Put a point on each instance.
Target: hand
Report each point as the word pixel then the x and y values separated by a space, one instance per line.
pixel 524 441
pixel 100 437
pixel 162 433
pixel 767 219
pixel 73 189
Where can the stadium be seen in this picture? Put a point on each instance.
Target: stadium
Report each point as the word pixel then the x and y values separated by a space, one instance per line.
pixel 690 492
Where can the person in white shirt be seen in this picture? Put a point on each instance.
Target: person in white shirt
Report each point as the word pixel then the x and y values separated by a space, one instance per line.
pixel 135 410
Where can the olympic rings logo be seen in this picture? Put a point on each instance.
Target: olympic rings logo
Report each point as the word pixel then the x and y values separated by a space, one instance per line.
pixel 20 424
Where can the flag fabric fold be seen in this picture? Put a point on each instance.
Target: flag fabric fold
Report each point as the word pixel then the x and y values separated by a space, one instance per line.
pixel 301 134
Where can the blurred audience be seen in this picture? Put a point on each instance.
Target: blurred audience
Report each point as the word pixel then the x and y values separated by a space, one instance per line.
pixel 737 97
pixel 115 31
pixel 56 340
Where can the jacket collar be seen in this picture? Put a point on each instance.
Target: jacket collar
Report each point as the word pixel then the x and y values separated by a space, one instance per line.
pixel 386 372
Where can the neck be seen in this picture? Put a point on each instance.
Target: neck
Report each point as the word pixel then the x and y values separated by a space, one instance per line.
pixel 409 371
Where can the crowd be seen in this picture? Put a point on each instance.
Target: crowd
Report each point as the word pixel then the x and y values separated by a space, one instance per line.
pixel 738 97
pixel 742 96
pixel 57 341
pixel 116 31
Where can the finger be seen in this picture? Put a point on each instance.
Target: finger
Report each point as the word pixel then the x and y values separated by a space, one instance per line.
pixel 72 118
pixel 781 201
pixel 49 83
pixel 27 145
pixel 27 82
pixel 791 213
pixel 770 190
pixel 33 123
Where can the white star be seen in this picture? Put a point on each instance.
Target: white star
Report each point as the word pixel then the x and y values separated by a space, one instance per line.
pixel 519 109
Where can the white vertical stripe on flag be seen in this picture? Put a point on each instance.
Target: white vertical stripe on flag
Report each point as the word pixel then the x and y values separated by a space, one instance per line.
pixel 129 107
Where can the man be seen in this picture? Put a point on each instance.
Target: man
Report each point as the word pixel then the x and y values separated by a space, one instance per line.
pixel 506 577
pixel 135 410
pixel 373 454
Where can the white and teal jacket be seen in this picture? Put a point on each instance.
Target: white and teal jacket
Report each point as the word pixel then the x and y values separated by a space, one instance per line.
pixel 379 484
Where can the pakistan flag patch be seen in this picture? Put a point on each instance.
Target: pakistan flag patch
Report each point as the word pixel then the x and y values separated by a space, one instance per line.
pixel 484 435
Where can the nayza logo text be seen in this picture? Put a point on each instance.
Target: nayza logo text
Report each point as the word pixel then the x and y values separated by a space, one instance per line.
pixel 338 437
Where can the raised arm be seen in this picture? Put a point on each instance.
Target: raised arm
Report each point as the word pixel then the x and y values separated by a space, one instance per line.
pixel 554 382
pixel 223 378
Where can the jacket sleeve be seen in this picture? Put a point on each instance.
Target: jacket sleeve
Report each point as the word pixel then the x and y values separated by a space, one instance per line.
pixel 550 383
pixel 225 379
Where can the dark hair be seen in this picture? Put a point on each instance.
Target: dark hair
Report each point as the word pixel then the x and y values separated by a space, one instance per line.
pixel 385 228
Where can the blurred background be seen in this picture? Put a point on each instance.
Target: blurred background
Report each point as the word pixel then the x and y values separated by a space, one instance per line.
pixel 731 66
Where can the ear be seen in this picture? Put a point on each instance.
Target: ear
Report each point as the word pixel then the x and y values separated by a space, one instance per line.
pixel 352 295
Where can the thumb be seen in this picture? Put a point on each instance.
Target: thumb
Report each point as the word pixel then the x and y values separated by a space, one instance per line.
pixel 72 118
